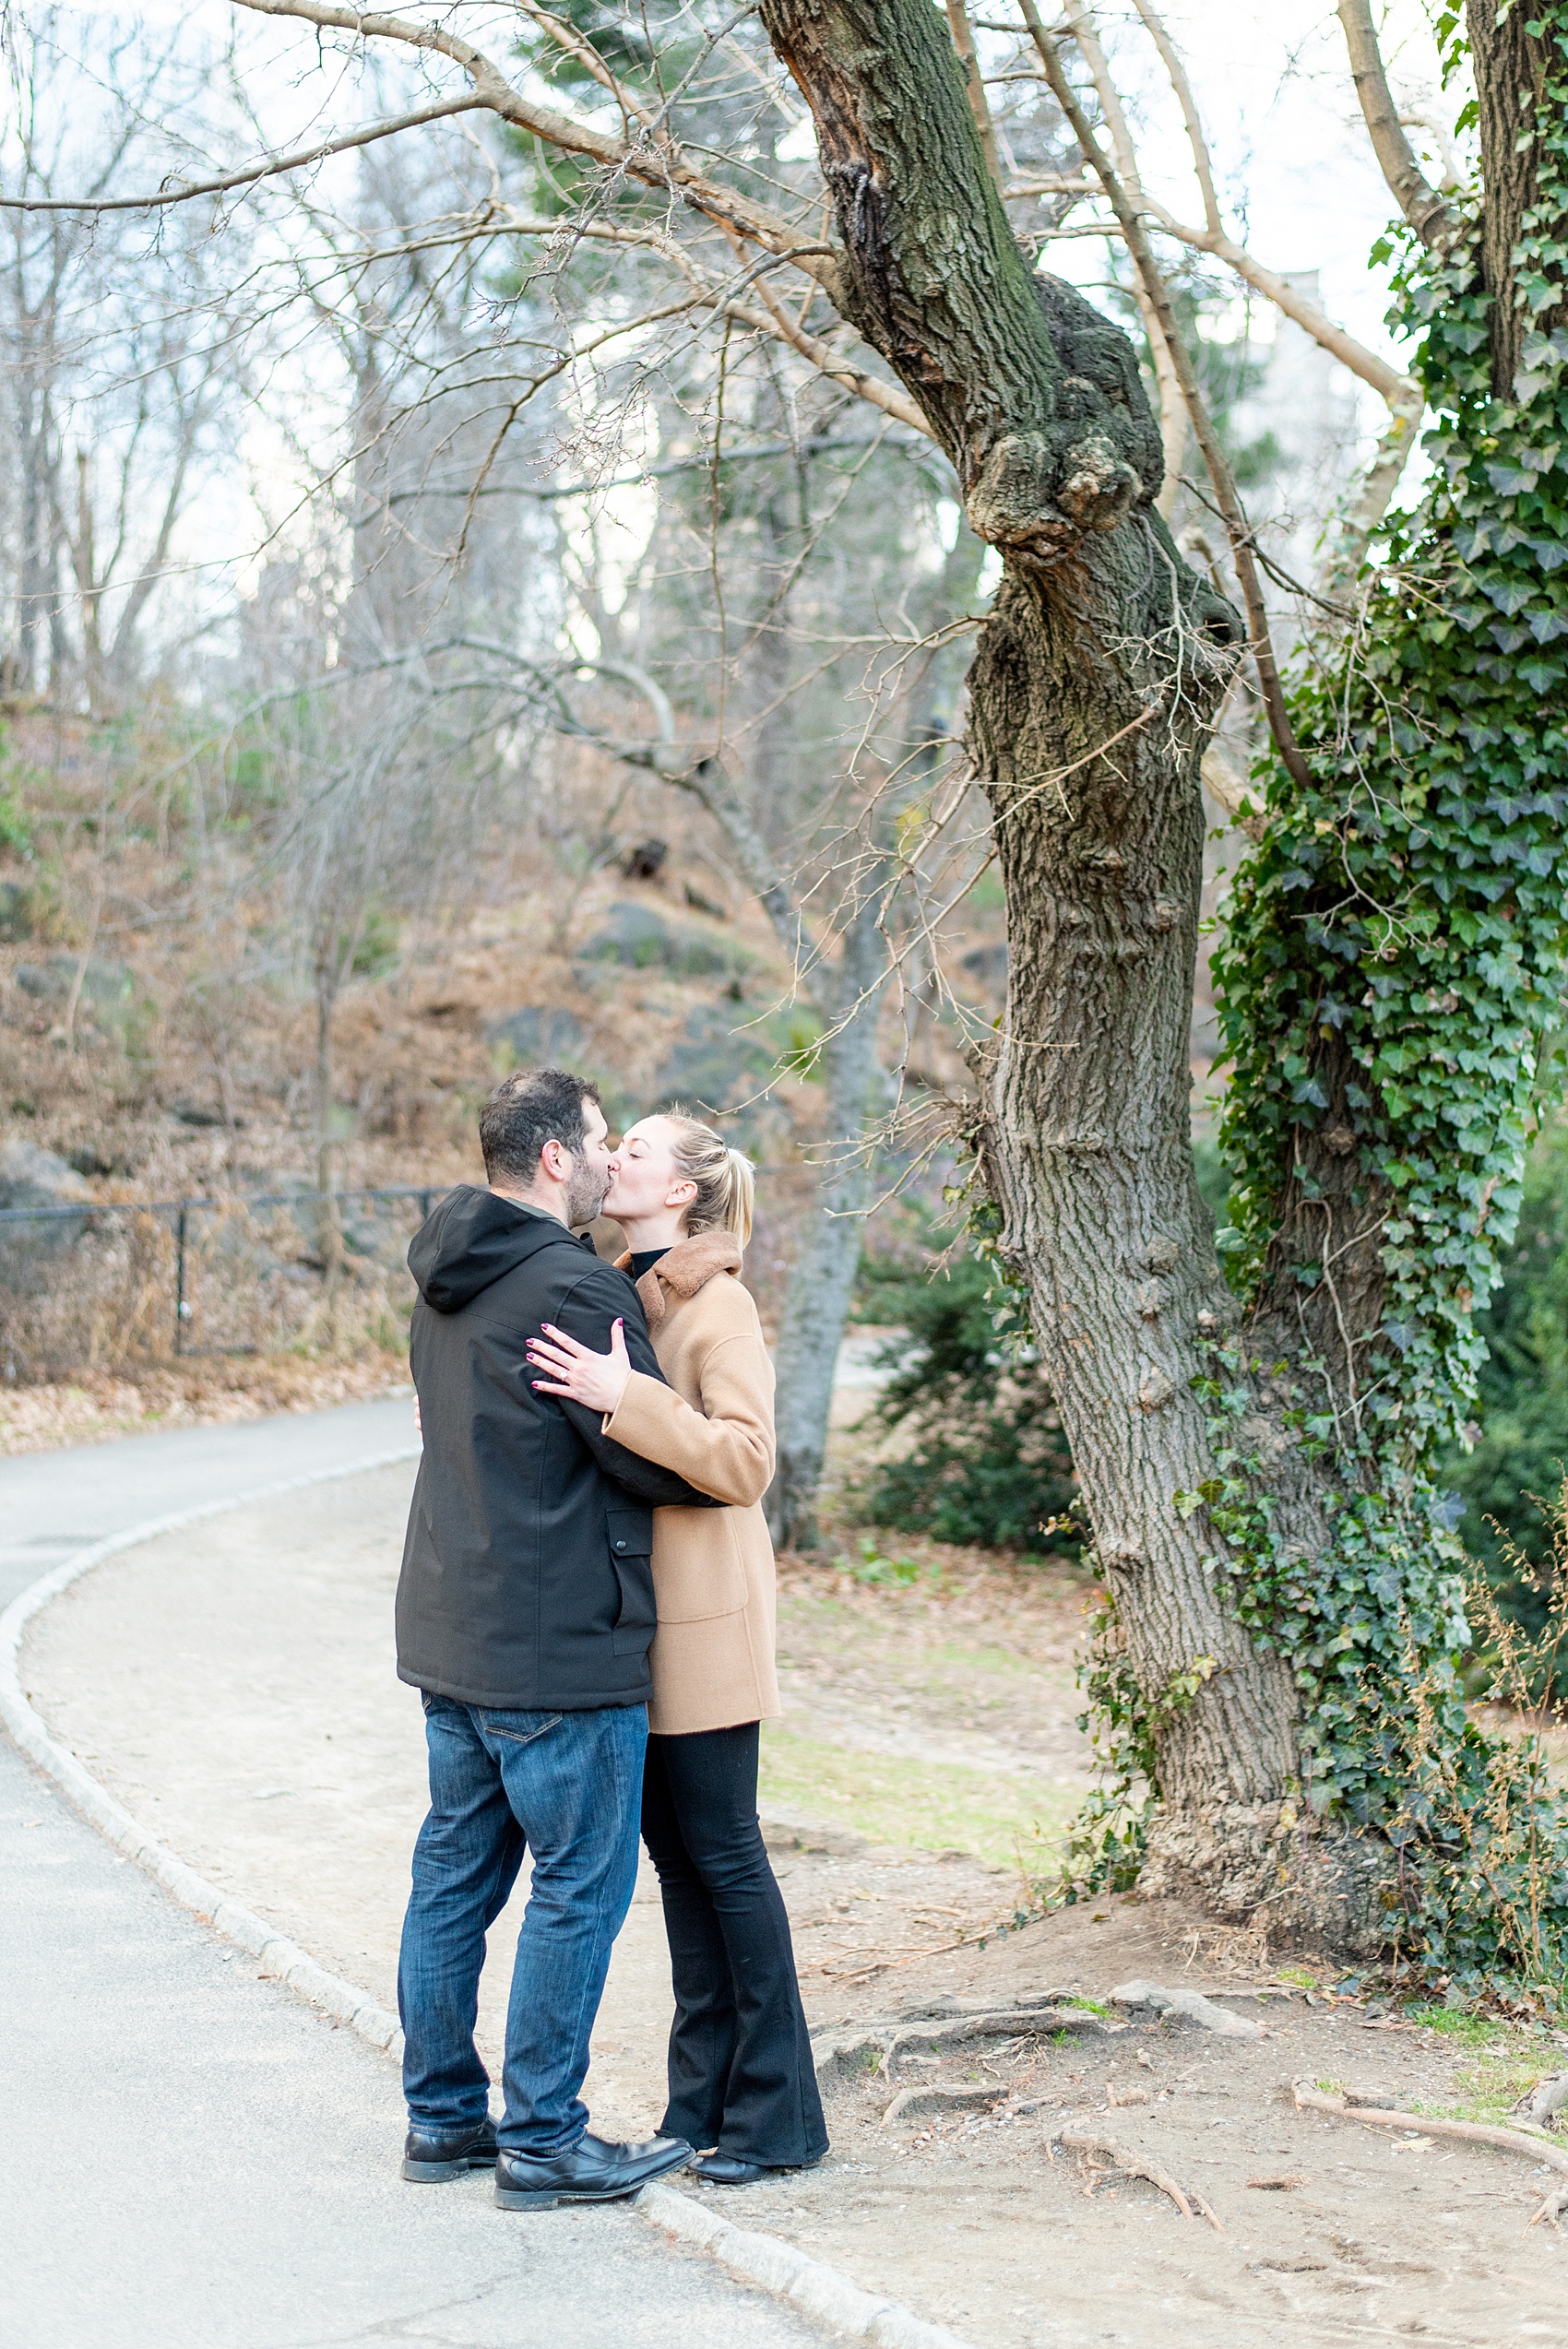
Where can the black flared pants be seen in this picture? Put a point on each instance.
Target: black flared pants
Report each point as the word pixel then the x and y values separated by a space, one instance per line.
pixel 740 2071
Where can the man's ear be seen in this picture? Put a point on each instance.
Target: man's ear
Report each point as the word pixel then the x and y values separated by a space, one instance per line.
pixel 558 1166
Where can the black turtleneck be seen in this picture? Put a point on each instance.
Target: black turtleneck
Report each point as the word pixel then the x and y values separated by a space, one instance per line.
pixel 644 1259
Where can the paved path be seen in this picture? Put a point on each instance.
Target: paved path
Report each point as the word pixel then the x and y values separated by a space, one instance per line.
pixel 191 2159
pixel 55 1502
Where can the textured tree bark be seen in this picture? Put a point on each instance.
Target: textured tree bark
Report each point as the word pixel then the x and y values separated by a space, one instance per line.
pixel 1091 698
pixel 1511 68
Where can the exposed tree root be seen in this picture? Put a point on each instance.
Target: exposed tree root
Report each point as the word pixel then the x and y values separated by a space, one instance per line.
pixel 1008 2022
pixel 1545 2100
pixel 1473 2133
pixel 1554 2205
pixel 1091 2140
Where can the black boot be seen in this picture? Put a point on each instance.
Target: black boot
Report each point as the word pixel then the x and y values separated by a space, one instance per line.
pixel 429 2157
pixel 725 2169
pixel 590 2172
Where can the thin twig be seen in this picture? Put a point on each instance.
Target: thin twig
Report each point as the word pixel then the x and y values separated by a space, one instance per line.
pixel 254 171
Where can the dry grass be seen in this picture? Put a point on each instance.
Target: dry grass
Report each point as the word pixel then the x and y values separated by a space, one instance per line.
pixel 97 1406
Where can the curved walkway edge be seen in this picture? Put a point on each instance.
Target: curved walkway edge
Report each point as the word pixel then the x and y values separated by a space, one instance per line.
pixel 819 2292
pixel 275 1951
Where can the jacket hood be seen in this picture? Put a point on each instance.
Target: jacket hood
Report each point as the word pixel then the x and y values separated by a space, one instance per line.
pixel 684 1269
pixel 473 1239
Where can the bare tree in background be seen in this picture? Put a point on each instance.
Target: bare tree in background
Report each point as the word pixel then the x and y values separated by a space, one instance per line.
pixel 120 362
pixel 757 621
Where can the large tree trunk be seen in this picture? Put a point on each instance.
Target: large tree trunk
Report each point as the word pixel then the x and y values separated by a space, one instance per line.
pixel 1087 1148
pixel 1091 698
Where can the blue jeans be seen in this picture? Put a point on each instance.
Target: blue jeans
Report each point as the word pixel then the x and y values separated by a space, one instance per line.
pixel 567 1786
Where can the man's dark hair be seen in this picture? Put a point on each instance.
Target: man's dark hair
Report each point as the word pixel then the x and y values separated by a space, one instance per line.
pixel 527 1109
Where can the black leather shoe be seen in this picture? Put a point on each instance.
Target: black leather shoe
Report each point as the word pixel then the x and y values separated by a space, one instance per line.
pixel 591 2172
pixel 723 2169
pixel 429 2158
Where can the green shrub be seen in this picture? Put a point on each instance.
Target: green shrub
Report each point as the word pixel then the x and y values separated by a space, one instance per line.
pixel 986 1461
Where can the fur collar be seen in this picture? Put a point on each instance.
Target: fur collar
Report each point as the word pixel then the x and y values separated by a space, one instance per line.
pixel 684 1269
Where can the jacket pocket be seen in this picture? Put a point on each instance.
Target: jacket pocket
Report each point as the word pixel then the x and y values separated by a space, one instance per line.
pixel 630 1534
pixel 700 1574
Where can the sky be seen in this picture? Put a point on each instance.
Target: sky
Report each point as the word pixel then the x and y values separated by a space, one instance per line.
pixel 1296 173
pixel 1271 78
pixel 1291 154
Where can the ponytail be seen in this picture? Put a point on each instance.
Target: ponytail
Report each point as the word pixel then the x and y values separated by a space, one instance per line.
pixel 725 1179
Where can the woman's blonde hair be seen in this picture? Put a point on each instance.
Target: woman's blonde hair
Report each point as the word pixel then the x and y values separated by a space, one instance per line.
pixel 725 1179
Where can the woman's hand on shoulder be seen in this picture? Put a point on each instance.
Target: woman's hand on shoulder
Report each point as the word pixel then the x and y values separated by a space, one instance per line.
pixel 595 1381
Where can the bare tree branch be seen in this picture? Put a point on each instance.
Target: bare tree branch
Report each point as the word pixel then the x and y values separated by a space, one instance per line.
pixel 657 167
pixel 1451 178
pixel 566 37
pixel 1394 387
pixel 1401 393
pixel 1213 237
pixel 688 770
pixel 1171 57
pixel 1237 526
pixel 268 170
pixel 1417 198
pixel 815 445
pixel 876 394
pixel 1172 406
pixel 964 41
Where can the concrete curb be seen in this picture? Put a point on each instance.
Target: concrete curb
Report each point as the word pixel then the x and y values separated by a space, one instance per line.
pixel 818 2291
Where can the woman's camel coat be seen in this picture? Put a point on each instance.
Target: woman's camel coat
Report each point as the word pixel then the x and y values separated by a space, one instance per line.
pixel 713 1574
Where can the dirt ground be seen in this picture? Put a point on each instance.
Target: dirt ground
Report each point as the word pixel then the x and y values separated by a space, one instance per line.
pixel 233 1685
pixel 1322 2232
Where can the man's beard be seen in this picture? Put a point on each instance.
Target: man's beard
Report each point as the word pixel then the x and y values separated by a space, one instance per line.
pixel 584 1193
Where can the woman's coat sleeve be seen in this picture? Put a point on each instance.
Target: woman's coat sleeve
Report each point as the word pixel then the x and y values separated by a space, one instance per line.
pixel 726 1450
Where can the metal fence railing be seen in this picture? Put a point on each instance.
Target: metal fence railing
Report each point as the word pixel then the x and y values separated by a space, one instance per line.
pixel 100 1283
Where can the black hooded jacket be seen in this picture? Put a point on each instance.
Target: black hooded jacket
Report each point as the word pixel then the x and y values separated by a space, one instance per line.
pixel 527 1581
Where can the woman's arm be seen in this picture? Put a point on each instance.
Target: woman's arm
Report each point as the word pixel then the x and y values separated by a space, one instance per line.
pixel 726 1450
pixel 638 1474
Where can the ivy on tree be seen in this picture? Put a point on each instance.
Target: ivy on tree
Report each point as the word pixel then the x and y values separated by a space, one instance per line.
pixel 1391 978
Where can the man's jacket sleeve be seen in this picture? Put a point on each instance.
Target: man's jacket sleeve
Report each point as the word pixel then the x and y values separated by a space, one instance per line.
pixel 587 1314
